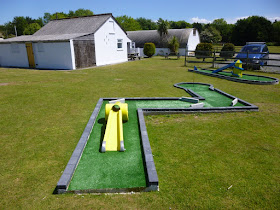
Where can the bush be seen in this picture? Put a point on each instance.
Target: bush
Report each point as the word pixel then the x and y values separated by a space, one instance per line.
pixel 203 50
pixel 173 45
pixel 272 44
pixel 149 49
pixel 227 51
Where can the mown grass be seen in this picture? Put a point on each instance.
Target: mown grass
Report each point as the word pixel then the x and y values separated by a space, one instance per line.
pixel 274 49
pixel 228 160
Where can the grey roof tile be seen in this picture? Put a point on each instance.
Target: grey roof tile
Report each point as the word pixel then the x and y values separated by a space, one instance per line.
pixel 89 24
pixel 41 38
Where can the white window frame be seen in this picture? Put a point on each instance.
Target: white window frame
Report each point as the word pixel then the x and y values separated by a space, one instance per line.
pixel 112 27
pixel 120 41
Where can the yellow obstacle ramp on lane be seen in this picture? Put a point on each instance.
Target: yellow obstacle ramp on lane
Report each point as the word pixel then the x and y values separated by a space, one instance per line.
pixel 115 115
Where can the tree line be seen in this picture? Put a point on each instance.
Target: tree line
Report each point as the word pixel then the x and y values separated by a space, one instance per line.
pixel 27 26
pixel 253 28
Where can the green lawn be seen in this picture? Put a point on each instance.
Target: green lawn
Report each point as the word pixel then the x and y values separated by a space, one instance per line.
pixel 217 160
pixel 274 49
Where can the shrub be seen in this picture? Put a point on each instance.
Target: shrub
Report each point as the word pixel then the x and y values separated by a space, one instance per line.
pixel 173 44
pixel 203 50
pixel 149 49
pixel 227 51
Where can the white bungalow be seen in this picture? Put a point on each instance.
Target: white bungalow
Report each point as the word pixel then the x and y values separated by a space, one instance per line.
pixel 188 37
pixel 68 44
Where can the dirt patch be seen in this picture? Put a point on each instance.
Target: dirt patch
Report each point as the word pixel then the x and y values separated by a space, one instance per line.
pixel 4 84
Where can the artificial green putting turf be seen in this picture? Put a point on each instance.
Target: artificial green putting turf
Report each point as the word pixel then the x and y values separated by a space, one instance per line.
pixel 244 77
pixel 212 98
pixel 125 169
pixel 116 169
pixel 111 169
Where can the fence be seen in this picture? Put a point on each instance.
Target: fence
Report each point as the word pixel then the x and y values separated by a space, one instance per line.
pixel 223 57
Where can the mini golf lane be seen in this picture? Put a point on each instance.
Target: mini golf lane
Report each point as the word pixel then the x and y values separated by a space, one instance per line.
pixel 89 170
pixel 246 78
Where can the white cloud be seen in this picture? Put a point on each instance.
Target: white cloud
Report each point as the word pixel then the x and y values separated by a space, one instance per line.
pixel 203 20
pixel 272 19
pixel 229 20
pixel 234 20
pixel 199 20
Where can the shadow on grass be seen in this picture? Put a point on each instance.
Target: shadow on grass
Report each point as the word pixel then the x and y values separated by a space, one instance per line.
pixel 55 191
pixel 166 59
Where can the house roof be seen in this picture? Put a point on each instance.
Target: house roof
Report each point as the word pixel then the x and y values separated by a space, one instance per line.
pixel 41 38
pixel 65 29
pixel 142 37
pixel 88 24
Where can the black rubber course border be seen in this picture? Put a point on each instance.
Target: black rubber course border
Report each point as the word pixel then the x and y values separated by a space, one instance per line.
pixel 150 169
pixel 236 79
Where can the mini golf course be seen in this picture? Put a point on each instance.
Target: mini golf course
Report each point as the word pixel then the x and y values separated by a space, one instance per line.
pixel 246 78
pixel 91 171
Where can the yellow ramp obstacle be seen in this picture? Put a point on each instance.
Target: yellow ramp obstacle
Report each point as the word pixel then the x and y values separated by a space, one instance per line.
pixel 237 71
pixel 115 115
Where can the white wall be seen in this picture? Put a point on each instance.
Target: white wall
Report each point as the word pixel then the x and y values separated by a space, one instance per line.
pixel 13 55
pixel 193 41
pixel 159 51
pixel 163 51
pixel 105 38
pixel 53 55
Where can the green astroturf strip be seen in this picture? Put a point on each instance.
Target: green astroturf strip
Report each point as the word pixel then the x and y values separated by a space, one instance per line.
pixel 247 77
pixel 212 98
pixel 162 104
pixel 126 169
pixel 111 169
pixel 116 169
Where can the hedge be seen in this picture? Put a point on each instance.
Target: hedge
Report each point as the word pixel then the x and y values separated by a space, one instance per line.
pixel 227 51
pixel 149 49
pixel 203 50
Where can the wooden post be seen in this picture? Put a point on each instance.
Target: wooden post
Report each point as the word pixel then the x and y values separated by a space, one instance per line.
pixel 247 58
pixel 214 58
pixel 186 52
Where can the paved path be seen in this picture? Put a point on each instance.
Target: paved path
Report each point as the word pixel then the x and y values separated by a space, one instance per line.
pixel 271 68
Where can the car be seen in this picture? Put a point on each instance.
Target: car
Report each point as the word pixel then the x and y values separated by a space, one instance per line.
pixel 255 54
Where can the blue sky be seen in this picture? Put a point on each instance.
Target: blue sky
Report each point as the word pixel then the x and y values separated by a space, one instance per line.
pixel 191 11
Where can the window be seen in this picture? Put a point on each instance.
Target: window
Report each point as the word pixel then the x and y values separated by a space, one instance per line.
pixel 132 44
pixel 265 49
pixel 111 27
pixel 120 44
pixel 251 49
pixel 194 32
